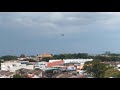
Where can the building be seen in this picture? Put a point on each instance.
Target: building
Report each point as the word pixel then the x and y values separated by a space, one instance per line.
pixel 118 67
pixel 71 67
pixel 40 65
pixel 28 73
pixel 54 63
pixel 13 66
pixel 45 55
pixel 6 74
pixel 76 60
pixel 73 60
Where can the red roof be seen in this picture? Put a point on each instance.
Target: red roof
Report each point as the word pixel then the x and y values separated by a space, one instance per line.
pixel 51 64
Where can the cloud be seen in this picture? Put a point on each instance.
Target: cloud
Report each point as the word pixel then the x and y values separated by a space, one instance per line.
pixel 86 31
pixel 58 21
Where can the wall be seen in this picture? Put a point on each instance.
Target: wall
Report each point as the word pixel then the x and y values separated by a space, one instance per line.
pixel 13 66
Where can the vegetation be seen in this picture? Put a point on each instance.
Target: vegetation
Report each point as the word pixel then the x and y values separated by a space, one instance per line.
pixel 107 56
pixel 96 68
pixel 71 56
pixel 18 76
pixel 45 59
pixel 9 57
pixel 30 60
pixel 112 73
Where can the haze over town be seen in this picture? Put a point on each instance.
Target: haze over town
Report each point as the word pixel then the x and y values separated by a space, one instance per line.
pixel 32 33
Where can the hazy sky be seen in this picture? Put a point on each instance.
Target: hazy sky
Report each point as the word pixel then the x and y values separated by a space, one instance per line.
pixel 38 32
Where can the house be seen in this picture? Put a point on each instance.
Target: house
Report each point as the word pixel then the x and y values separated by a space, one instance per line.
pixel 115 64
pixel 45 55
pixel 61 68
pixel 52 64
pixel 76 60
pixel 37 73
pixel 80 67
pixel 12 66
pixel 40 65
pixel 6 74
pixel 73 60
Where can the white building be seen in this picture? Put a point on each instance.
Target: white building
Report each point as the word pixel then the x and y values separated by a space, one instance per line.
pixel 54 60
pixel 13 66
pixel 73 60
pixel 76 60
pixel 118 67
pixel 41 65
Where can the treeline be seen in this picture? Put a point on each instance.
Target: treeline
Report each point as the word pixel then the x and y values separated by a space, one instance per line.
pixel 101 57
pixel 71 56
pixel 8 57
pixel 100 70
pixel 106 58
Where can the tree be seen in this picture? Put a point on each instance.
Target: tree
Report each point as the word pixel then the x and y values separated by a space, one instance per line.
pixel 112 73
pixel 9 57
pixel 18 76
pixel 96 68
pixel 46 59
pixel 22 56
pixel 30 60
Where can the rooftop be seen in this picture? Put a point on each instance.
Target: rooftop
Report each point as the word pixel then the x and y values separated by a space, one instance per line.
pixel 6 73
pixel 44 55
pixel 51 64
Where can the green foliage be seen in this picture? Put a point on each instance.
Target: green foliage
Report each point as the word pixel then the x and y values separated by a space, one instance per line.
pixel 71 56
pixel 107 56
pixel 96 68
pixel 45 59
pixel 9 57
pixel 18 76
pixel 112 73
pixel 30 60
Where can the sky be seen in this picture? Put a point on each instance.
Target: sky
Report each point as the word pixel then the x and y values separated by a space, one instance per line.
pixel 33 33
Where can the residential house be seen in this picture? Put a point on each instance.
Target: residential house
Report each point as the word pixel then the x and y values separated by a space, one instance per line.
pixel 55 63
pixel 45 55
pixel 12 66
pixel 37 73
pixel 6 74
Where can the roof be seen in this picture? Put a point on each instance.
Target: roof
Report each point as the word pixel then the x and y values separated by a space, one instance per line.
pixel 30 73
pixel 51 64
pixel 23 71
pixel 6 73
pixel 44 55
pixel 36 72
pixel 46 69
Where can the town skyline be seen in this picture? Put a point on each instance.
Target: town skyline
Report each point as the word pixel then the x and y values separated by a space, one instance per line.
pixel 32 33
